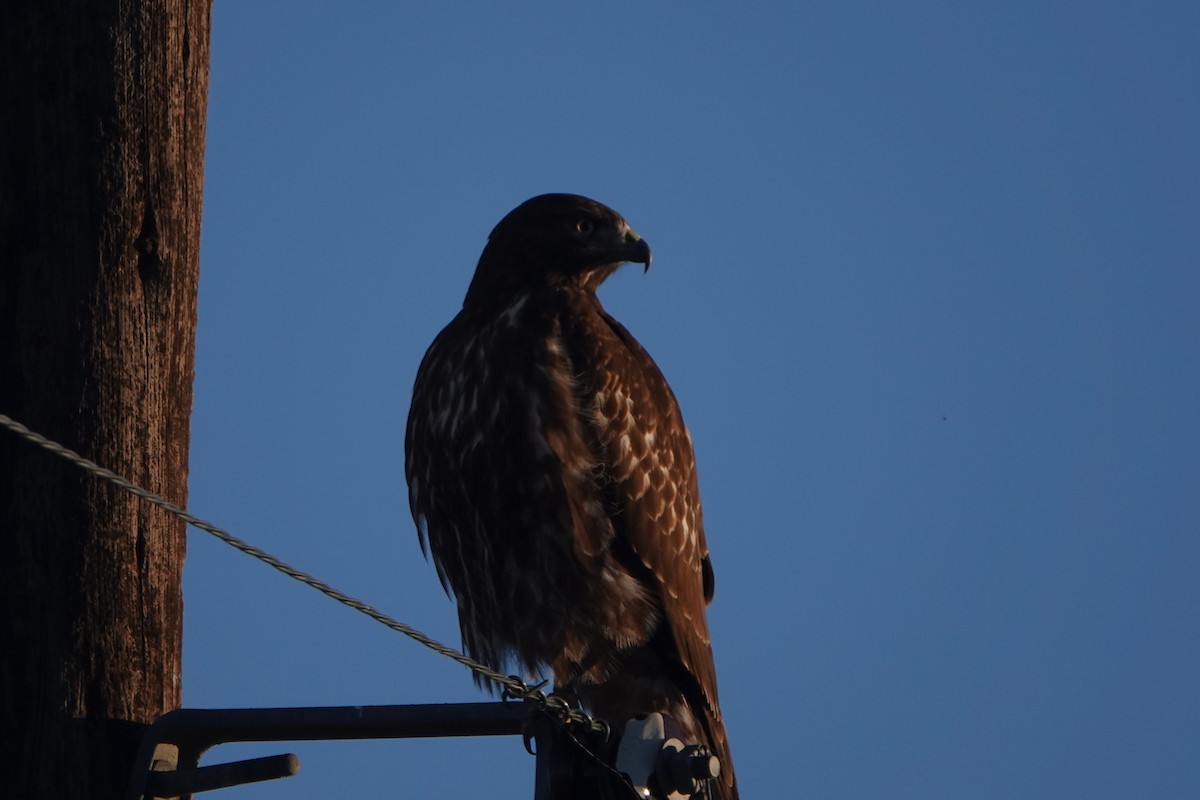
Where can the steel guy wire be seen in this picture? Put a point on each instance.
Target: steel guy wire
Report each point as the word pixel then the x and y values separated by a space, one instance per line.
pixel 513 686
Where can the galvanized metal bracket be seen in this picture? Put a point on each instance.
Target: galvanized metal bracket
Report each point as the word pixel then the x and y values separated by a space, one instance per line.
pixel 168 760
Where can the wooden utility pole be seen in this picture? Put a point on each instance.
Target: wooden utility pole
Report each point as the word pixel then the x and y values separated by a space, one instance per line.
pixel 102 112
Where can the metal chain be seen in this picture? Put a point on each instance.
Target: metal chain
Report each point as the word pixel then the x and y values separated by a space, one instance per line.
pixel 513 686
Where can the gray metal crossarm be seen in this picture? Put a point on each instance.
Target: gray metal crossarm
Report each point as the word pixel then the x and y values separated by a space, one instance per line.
pixel 174 743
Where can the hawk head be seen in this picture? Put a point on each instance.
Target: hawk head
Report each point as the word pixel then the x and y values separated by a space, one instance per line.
pixel 554 240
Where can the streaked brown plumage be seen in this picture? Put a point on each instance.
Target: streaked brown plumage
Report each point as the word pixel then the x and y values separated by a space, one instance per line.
pixel 554 481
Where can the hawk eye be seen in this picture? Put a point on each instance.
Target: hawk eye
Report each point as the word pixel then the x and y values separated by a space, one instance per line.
pixel 584 227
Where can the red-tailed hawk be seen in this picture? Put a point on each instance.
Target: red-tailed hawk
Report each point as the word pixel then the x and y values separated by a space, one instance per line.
pixel 552 476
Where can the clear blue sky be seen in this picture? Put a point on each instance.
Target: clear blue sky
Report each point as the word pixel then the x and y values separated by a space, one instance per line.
pixel 926 283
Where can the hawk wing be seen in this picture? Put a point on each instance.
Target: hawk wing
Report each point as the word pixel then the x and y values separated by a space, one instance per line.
pixel 654 498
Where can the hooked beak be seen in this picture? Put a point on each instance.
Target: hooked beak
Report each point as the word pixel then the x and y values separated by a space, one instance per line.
pixel 637 251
